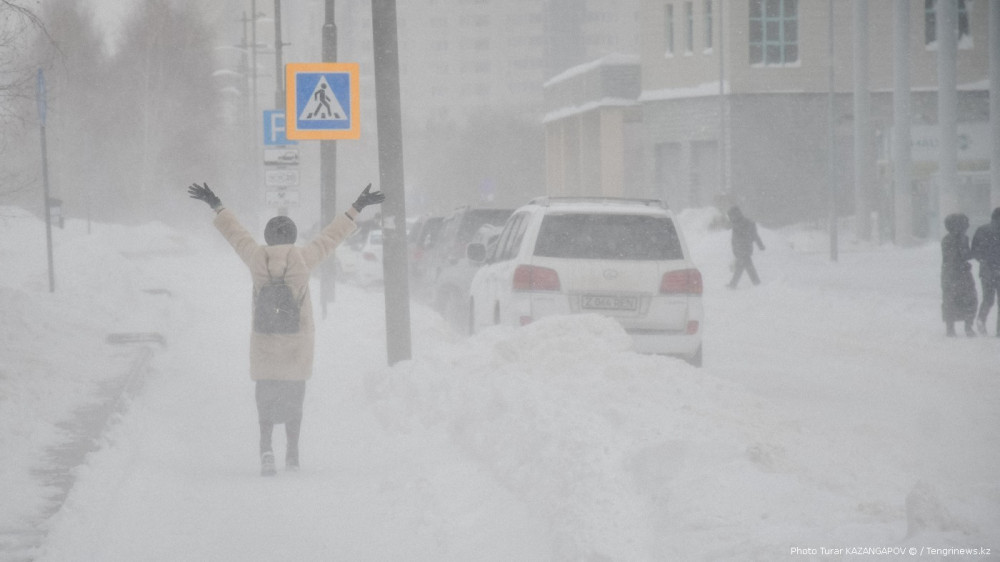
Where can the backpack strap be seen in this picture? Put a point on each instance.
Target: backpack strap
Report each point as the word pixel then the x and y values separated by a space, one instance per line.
pixel 287 262
pixel 267 267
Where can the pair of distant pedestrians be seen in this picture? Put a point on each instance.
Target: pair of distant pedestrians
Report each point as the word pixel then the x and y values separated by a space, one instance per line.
pixel 958 288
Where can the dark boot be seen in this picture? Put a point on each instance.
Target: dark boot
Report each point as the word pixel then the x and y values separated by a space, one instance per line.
pixel 266 455
pixel 267 464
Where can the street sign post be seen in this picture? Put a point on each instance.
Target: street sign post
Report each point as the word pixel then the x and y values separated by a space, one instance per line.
pixel 42 104
pixel 323 101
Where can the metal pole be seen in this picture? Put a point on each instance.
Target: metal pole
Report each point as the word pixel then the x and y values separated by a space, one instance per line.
pixel 253 63
pixel 831 141
pixel 279 76
pixel 246 111
pixel 723 185
pixel 862 125
pixel 901 161
pixel 45 179
pixel 947 43
pixel 995 101
pixel 328 167
pixel 390 148
pixel 255 115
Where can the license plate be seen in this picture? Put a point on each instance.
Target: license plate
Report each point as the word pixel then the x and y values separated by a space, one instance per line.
pixel 609 302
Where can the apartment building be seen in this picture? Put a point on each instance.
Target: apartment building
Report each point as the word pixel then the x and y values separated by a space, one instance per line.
pixel 735 104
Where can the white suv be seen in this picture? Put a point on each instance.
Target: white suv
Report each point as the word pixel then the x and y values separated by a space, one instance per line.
pixel 623 258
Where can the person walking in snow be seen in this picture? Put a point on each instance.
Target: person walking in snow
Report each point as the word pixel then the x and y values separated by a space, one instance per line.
pixel 744 237
pixel 958 288
pixel 986 249
pixel 282 340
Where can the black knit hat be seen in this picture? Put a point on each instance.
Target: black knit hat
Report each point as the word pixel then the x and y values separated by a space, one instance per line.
pixel 280 230
pixel 956 223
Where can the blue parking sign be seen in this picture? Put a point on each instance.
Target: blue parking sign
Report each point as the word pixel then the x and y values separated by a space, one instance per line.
pixel 274 128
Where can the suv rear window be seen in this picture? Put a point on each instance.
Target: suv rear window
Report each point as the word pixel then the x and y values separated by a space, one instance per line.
pixel 608 237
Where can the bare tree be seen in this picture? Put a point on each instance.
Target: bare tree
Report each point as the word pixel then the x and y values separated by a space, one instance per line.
pixel 19 25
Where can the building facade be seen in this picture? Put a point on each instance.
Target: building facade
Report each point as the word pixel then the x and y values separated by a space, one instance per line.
pixel 735 102
pixel 593 127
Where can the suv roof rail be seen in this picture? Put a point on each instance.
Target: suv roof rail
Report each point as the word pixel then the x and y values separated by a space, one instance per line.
pixel 546 200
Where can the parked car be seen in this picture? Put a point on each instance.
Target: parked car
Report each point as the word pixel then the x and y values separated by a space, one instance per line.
pixel 422 236
pixel 622 258
pixel 448 271
pixel 370 265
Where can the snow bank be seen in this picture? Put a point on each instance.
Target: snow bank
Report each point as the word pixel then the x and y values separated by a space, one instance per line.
pixel 584 431
pixel 55 357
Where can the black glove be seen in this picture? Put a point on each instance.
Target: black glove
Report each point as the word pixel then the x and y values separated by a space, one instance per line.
pixel 367 198
pixel 203 193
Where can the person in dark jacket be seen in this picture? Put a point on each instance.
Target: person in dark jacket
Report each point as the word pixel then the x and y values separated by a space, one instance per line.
pixel 986 249
pixel 958 288
pixel 282 360
pixel 744 237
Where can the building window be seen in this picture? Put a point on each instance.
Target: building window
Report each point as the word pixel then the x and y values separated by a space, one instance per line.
pixel 930 21
pixel 689 27
pixel 774 32
pixel 708 25
pixel 668 28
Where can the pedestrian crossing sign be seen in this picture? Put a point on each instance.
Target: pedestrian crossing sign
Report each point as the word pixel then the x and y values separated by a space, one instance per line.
pixel 322 101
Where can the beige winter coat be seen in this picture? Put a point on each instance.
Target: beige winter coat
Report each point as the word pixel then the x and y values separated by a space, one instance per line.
pixel 284 356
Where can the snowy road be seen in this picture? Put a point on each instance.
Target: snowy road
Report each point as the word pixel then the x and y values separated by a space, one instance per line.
pixel 831 412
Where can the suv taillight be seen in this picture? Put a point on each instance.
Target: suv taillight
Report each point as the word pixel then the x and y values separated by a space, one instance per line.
pixel 533 278
pixel 683 281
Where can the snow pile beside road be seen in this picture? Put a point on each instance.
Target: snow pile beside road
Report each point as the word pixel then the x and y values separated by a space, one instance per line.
pixel 590 435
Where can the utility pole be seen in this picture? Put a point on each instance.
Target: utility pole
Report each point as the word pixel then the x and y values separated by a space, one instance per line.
pixel 279 75
pixel 390 149
pixel 253 65
pixel 247 112
pixel 901 160
pixel 328 167
pixel 863 141
pixel 947 49
pixel 831 141
pixel 723 180
pixel 42 103
pixel 995 102
pixel 255 115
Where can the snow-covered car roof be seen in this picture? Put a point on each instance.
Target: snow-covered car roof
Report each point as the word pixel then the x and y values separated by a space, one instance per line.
pixel 602 205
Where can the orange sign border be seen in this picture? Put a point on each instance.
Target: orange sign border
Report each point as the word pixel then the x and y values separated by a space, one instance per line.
pixel 292 131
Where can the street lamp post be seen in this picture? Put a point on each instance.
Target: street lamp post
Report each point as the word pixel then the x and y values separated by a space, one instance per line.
pixel 328 164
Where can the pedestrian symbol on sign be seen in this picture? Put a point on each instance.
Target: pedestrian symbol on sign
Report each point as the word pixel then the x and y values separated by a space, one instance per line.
pixel 319 108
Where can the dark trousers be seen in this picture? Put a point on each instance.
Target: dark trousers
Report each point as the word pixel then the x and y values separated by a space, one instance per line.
pixel 280 402
pixel 744 263
pixel 292 428
pixel 991 285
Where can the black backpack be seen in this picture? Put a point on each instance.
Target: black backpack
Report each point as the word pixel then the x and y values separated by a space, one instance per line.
pixel 276 310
